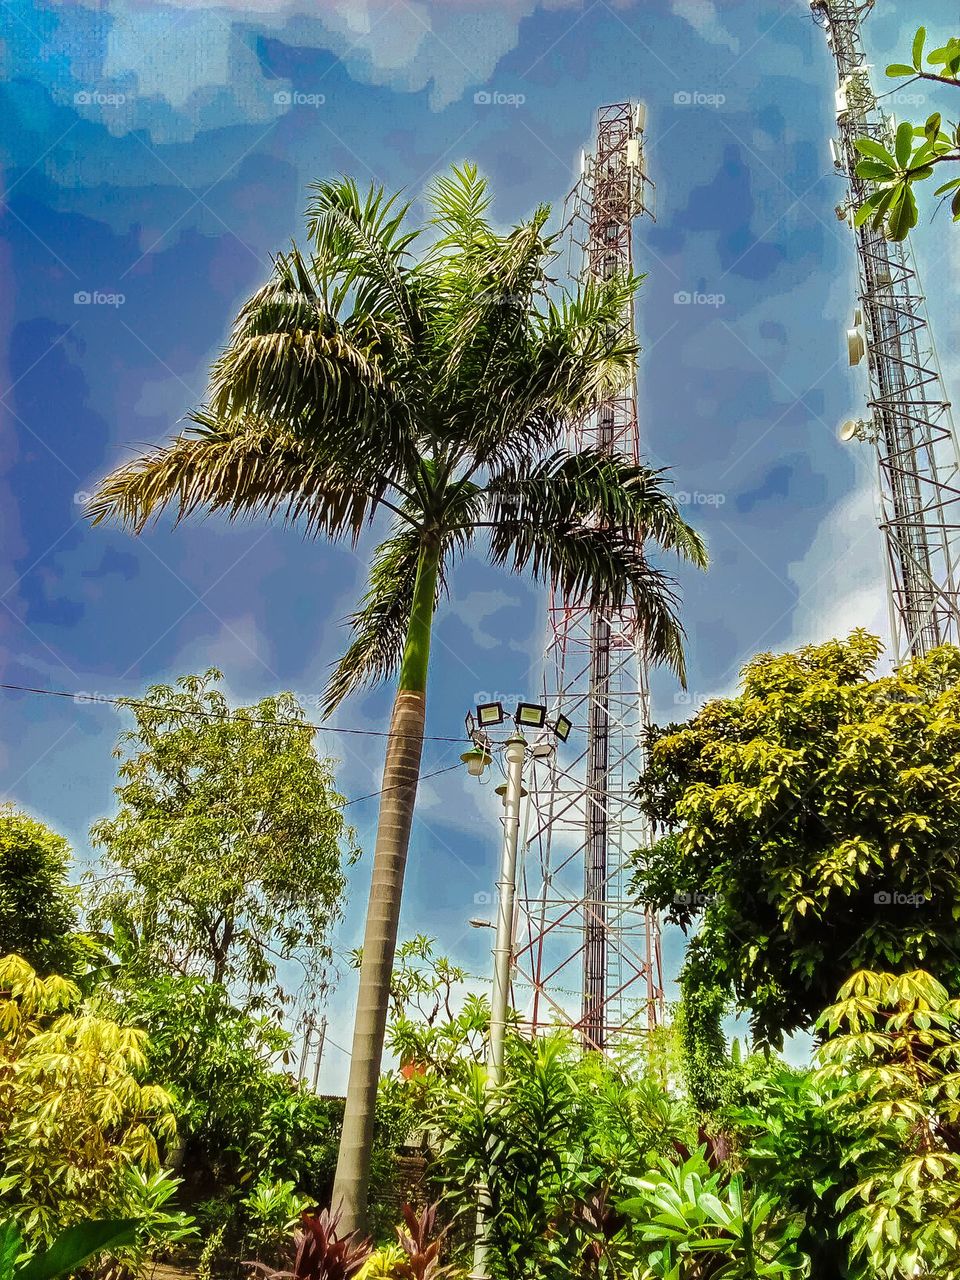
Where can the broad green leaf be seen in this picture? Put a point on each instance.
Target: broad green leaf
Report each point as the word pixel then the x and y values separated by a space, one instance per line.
pixel 75 1245
pixel 875 170
pixel 11 1245
pixel 904 143
pixel 899 69
pixel 932 126
pixel 917 51
pixel 870 147
pixel 903 213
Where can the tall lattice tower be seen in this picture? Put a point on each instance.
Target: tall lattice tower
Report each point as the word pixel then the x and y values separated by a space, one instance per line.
pixel 585 954
pixel 910 423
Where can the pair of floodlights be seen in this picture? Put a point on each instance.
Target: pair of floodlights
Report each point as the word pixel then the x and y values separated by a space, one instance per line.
pixel 528 715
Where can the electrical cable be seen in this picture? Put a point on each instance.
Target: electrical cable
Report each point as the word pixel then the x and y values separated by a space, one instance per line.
pixel 211 715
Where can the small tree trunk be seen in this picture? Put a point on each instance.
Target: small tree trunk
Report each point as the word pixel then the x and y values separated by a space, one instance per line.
pixel 401 774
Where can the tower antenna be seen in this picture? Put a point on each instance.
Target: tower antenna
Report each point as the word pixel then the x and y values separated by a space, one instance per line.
pixel 586 954
pixel 911 425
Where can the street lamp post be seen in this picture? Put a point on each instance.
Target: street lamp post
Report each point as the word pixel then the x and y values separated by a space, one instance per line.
pixel 515 752
pixel 515 755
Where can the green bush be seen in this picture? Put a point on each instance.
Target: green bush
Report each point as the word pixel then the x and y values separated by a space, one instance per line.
pixel 37 905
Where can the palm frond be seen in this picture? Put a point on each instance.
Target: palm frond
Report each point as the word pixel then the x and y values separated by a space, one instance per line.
pixel 600 568
pixel 362 240
pixel 379 627
pixel 577 352
pixel 580 522
pixel 459 205
pixel 243 467
pixel 593 489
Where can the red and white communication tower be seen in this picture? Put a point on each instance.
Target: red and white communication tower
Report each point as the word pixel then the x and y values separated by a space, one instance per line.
pixel 585 954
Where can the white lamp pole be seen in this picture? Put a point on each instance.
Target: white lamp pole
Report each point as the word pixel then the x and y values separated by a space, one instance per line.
pixel 515 752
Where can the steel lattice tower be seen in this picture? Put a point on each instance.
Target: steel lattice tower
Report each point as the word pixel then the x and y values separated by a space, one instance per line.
pixel 586 955
pixel 910 424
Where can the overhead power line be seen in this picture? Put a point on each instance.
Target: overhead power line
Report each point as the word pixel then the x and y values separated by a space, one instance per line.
pixel 210 715
pixel 82 698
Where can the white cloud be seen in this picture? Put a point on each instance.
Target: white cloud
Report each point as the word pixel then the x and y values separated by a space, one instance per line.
pixel 840 580
pixel 702 15
pixel 205 51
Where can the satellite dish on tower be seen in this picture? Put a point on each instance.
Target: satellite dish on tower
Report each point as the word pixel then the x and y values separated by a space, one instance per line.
pixel 848 430
pixel 856 347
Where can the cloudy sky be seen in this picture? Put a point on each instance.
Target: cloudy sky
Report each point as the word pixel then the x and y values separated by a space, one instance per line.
pixel 156 154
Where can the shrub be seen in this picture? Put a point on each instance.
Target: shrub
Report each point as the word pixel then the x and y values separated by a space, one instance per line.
pixel 79 1132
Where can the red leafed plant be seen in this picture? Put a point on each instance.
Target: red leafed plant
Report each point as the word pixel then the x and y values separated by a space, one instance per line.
pixel 320 1253
pixel 421 1246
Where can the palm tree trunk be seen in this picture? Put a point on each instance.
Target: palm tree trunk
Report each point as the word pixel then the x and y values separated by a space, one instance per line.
pixel 401 773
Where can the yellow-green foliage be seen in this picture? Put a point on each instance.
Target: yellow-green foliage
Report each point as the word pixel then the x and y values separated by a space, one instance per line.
pixel 74 1117
pixel 892 1064
pixel 382 1264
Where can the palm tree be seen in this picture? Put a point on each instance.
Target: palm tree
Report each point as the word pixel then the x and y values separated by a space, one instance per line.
pixel 435 387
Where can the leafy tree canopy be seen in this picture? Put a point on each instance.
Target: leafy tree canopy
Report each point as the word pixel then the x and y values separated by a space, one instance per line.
pixel 892 1065
pixel 37 906
pixel 814 826
pixel 79 1128
pixel 226 853
pixel 915 150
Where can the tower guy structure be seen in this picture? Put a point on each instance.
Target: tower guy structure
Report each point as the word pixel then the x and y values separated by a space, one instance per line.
pixel 910 425
pixel 585 954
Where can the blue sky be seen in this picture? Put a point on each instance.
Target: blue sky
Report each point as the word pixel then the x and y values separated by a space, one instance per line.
pixel 156 154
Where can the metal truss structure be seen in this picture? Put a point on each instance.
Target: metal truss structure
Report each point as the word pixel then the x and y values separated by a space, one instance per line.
pixel 586 956
pixel 910 424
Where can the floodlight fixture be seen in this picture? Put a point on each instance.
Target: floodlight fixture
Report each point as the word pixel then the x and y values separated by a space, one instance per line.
pixel 530 715
pixel 562 726
pixel 489 714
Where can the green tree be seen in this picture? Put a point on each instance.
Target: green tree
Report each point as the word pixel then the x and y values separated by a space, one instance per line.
pixel 890 1067
pixel 816 823
pixel 79 1129
pixel 37 905
pixel 366 378
pixel 225 855
pixel 916 149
